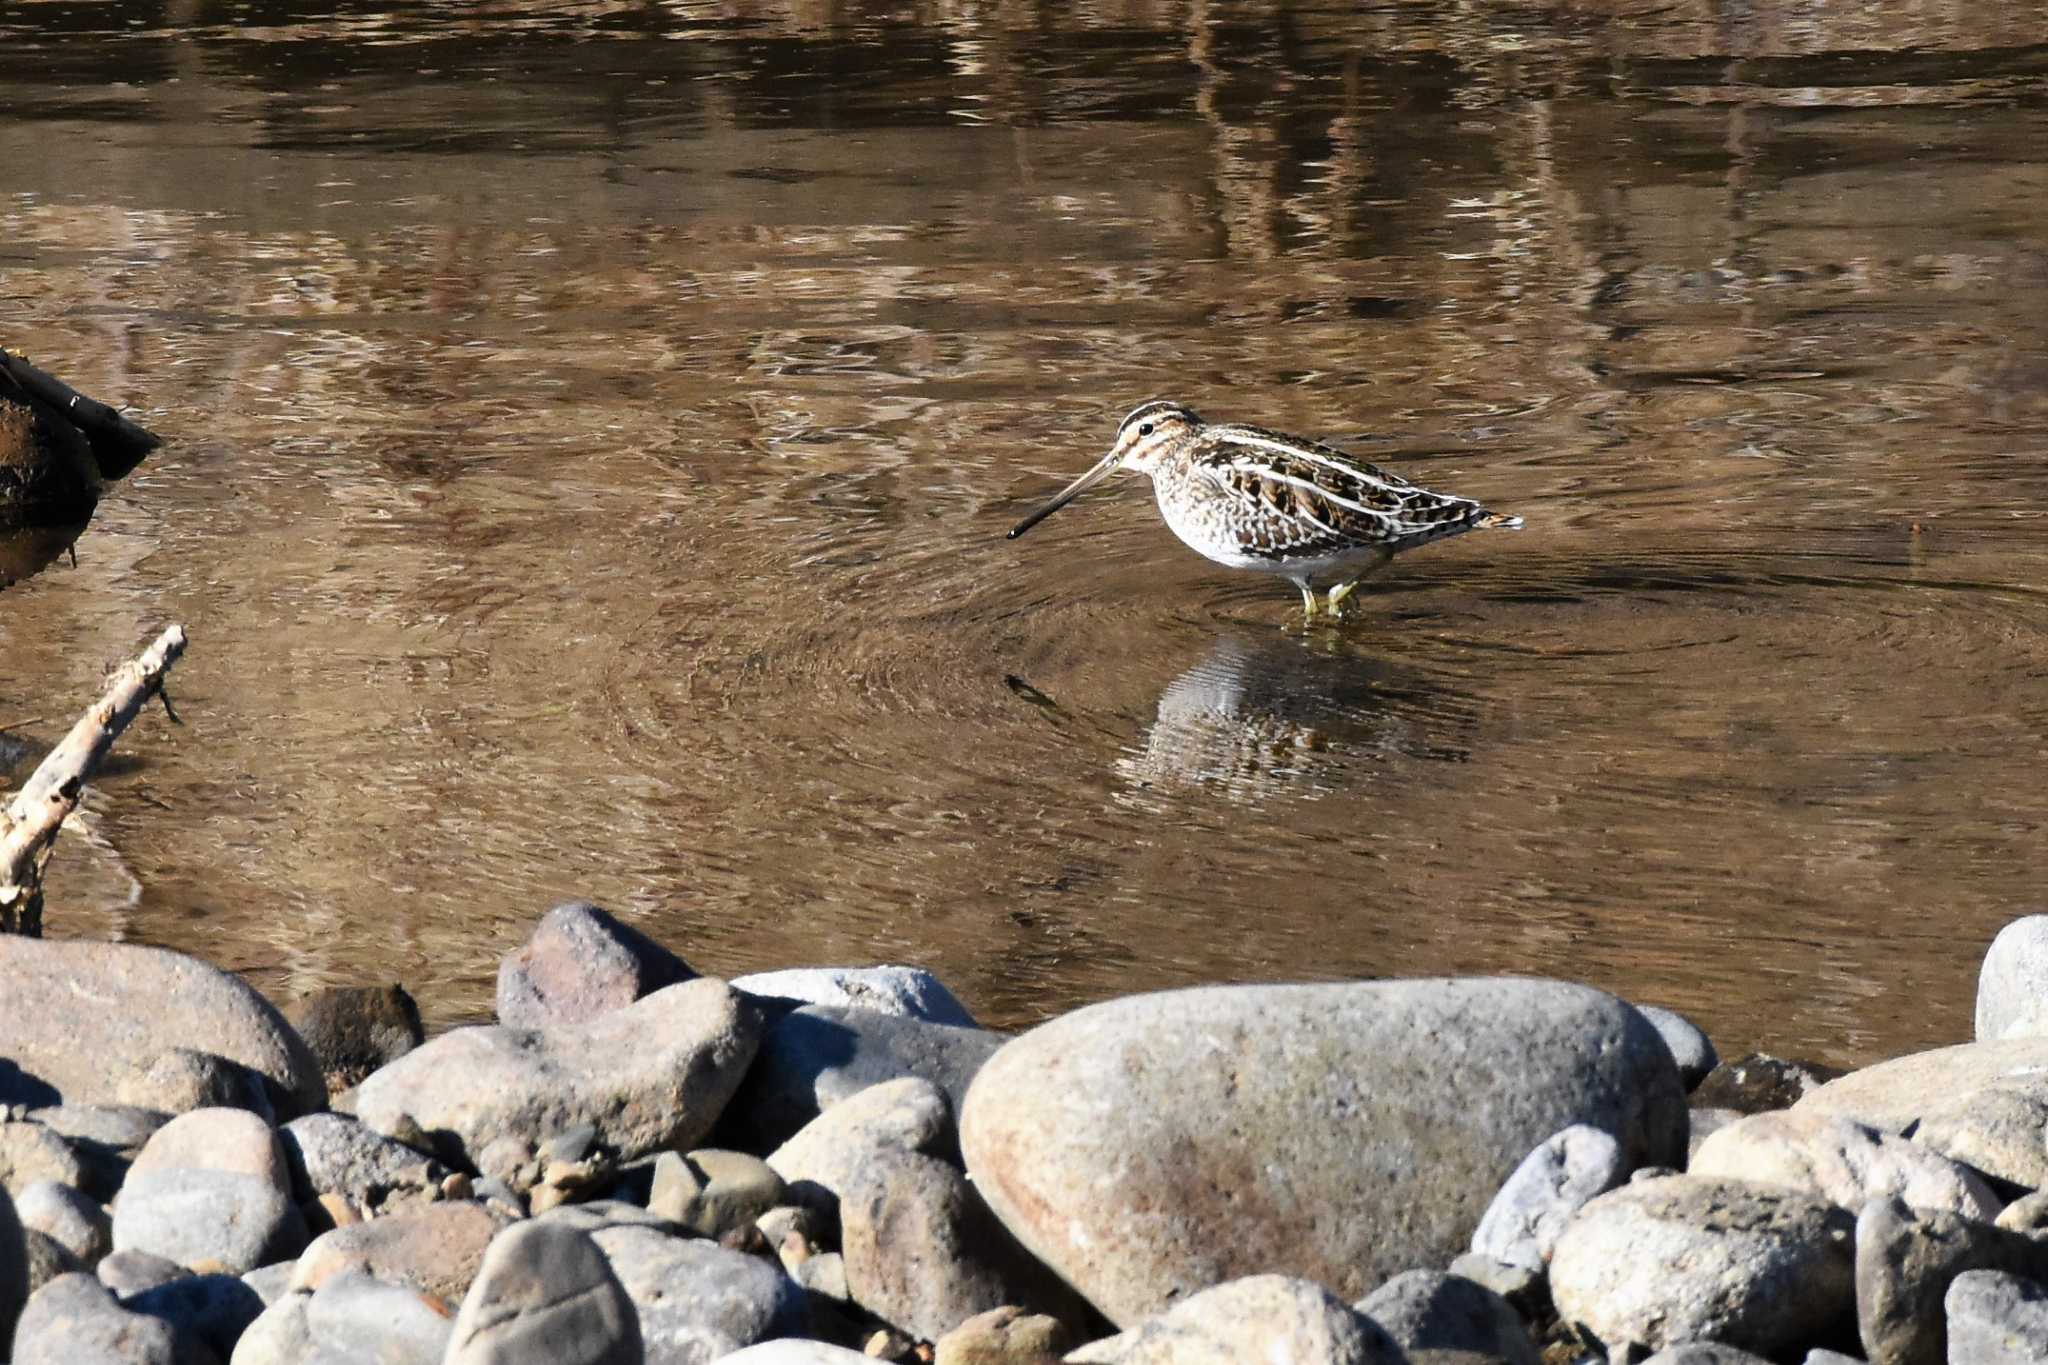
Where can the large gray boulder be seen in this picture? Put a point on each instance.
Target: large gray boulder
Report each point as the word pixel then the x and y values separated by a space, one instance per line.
pixel 655 1074
pixel 1843 1162
pixel 815 1057
pixel 146 1001
pixel 1690 1258
pixel 2012 986
pixel 581 963
pixel 1152 1146
pixel 545 1293
pixel 436 1250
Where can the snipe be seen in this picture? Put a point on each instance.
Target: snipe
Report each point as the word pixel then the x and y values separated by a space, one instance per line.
pixel 1255 499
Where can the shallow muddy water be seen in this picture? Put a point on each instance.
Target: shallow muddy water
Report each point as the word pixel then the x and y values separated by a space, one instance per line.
pixel 591 430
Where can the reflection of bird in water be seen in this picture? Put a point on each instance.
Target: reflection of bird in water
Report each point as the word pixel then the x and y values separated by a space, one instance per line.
pixel 1255 499
pixel 1261 716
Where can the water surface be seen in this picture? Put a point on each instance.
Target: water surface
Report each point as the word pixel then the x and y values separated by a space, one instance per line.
pixel 591 429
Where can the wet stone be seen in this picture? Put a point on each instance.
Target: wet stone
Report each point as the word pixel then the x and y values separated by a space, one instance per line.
pixel 910 992
pixel 1004 1336
pixel 1759 1082
pixel 353 1030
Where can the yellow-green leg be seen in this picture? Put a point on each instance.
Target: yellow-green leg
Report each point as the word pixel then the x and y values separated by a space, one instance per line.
pixel 1344 589
pixel 1308 599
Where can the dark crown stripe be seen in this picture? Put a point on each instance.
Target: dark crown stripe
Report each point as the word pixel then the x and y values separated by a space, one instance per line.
pixel 1153 408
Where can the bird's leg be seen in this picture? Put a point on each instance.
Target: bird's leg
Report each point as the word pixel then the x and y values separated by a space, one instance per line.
pixel 1344 589
pixel 1308 599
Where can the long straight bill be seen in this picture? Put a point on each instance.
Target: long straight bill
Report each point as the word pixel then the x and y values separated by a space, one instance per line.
pixel 1067 495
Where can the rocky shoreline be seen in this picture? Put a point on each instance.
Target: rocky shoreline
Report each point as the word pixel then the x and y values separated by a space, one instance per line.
pixel 639 1163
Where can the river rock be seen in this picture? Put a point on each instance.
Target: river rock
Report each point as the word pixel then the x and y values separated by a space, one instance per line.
pixel 911 1114
pixel 1843 1162
pixel 1704 1353
pixel 280 1335
pixel 179 1079
pixel 546 1293
pixel 1759 1082
pixel 105 1138
pixel 74 1319
pixel 215 1309
pixel 85 1016
pixel 30 1152
pixel 1997 1129
pixel 1003 1336
pixel 712 1192
pixel 353 1030
pixel 910 992
pixel 2012 985
pixel 1692 1258
pixel 69 1217
pixel 579 964
pixel 1151 1146
pixel 47 1259
pixel 211 1186
pixel 1258 1318
pixel 437 1250
pixel 1895 1095
pixel 1689 1044
pixel 339 1155
pixel 271 1282
pixel 796 1353
pixel 697 1301
pixel 1996 1319
pixel 127 1273
pixel 924 1253
pixel 1907 1258
pixel 653 1075
pixel 353 1317
pixel 815 1057
pixel 2028 1214
pixel 1553 1182
pixel 1427 1310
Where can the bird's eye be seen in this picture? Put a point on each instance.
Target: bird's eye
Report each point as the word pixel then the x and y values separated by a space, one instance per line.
pixel 1144 428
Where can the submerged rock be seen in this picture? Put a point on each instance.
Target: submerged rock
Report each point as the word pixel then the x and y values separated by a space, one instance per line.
pixel 1149 1147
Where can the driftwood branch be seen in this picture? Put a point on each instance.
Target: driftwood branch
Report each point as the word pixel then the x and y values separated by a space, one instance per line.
pixel 29 825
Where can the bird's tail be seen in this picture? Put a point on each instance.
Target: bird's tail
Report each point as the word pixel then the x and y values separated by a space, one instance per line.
pixel 1500 520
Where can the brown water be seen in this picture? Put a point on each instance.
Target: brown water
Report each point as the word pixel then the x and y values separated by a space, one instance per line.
pixel 591 429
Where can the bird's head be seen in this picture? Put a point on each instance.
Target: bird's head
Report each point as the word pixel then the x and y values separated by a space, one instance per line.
pixel 1143 441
